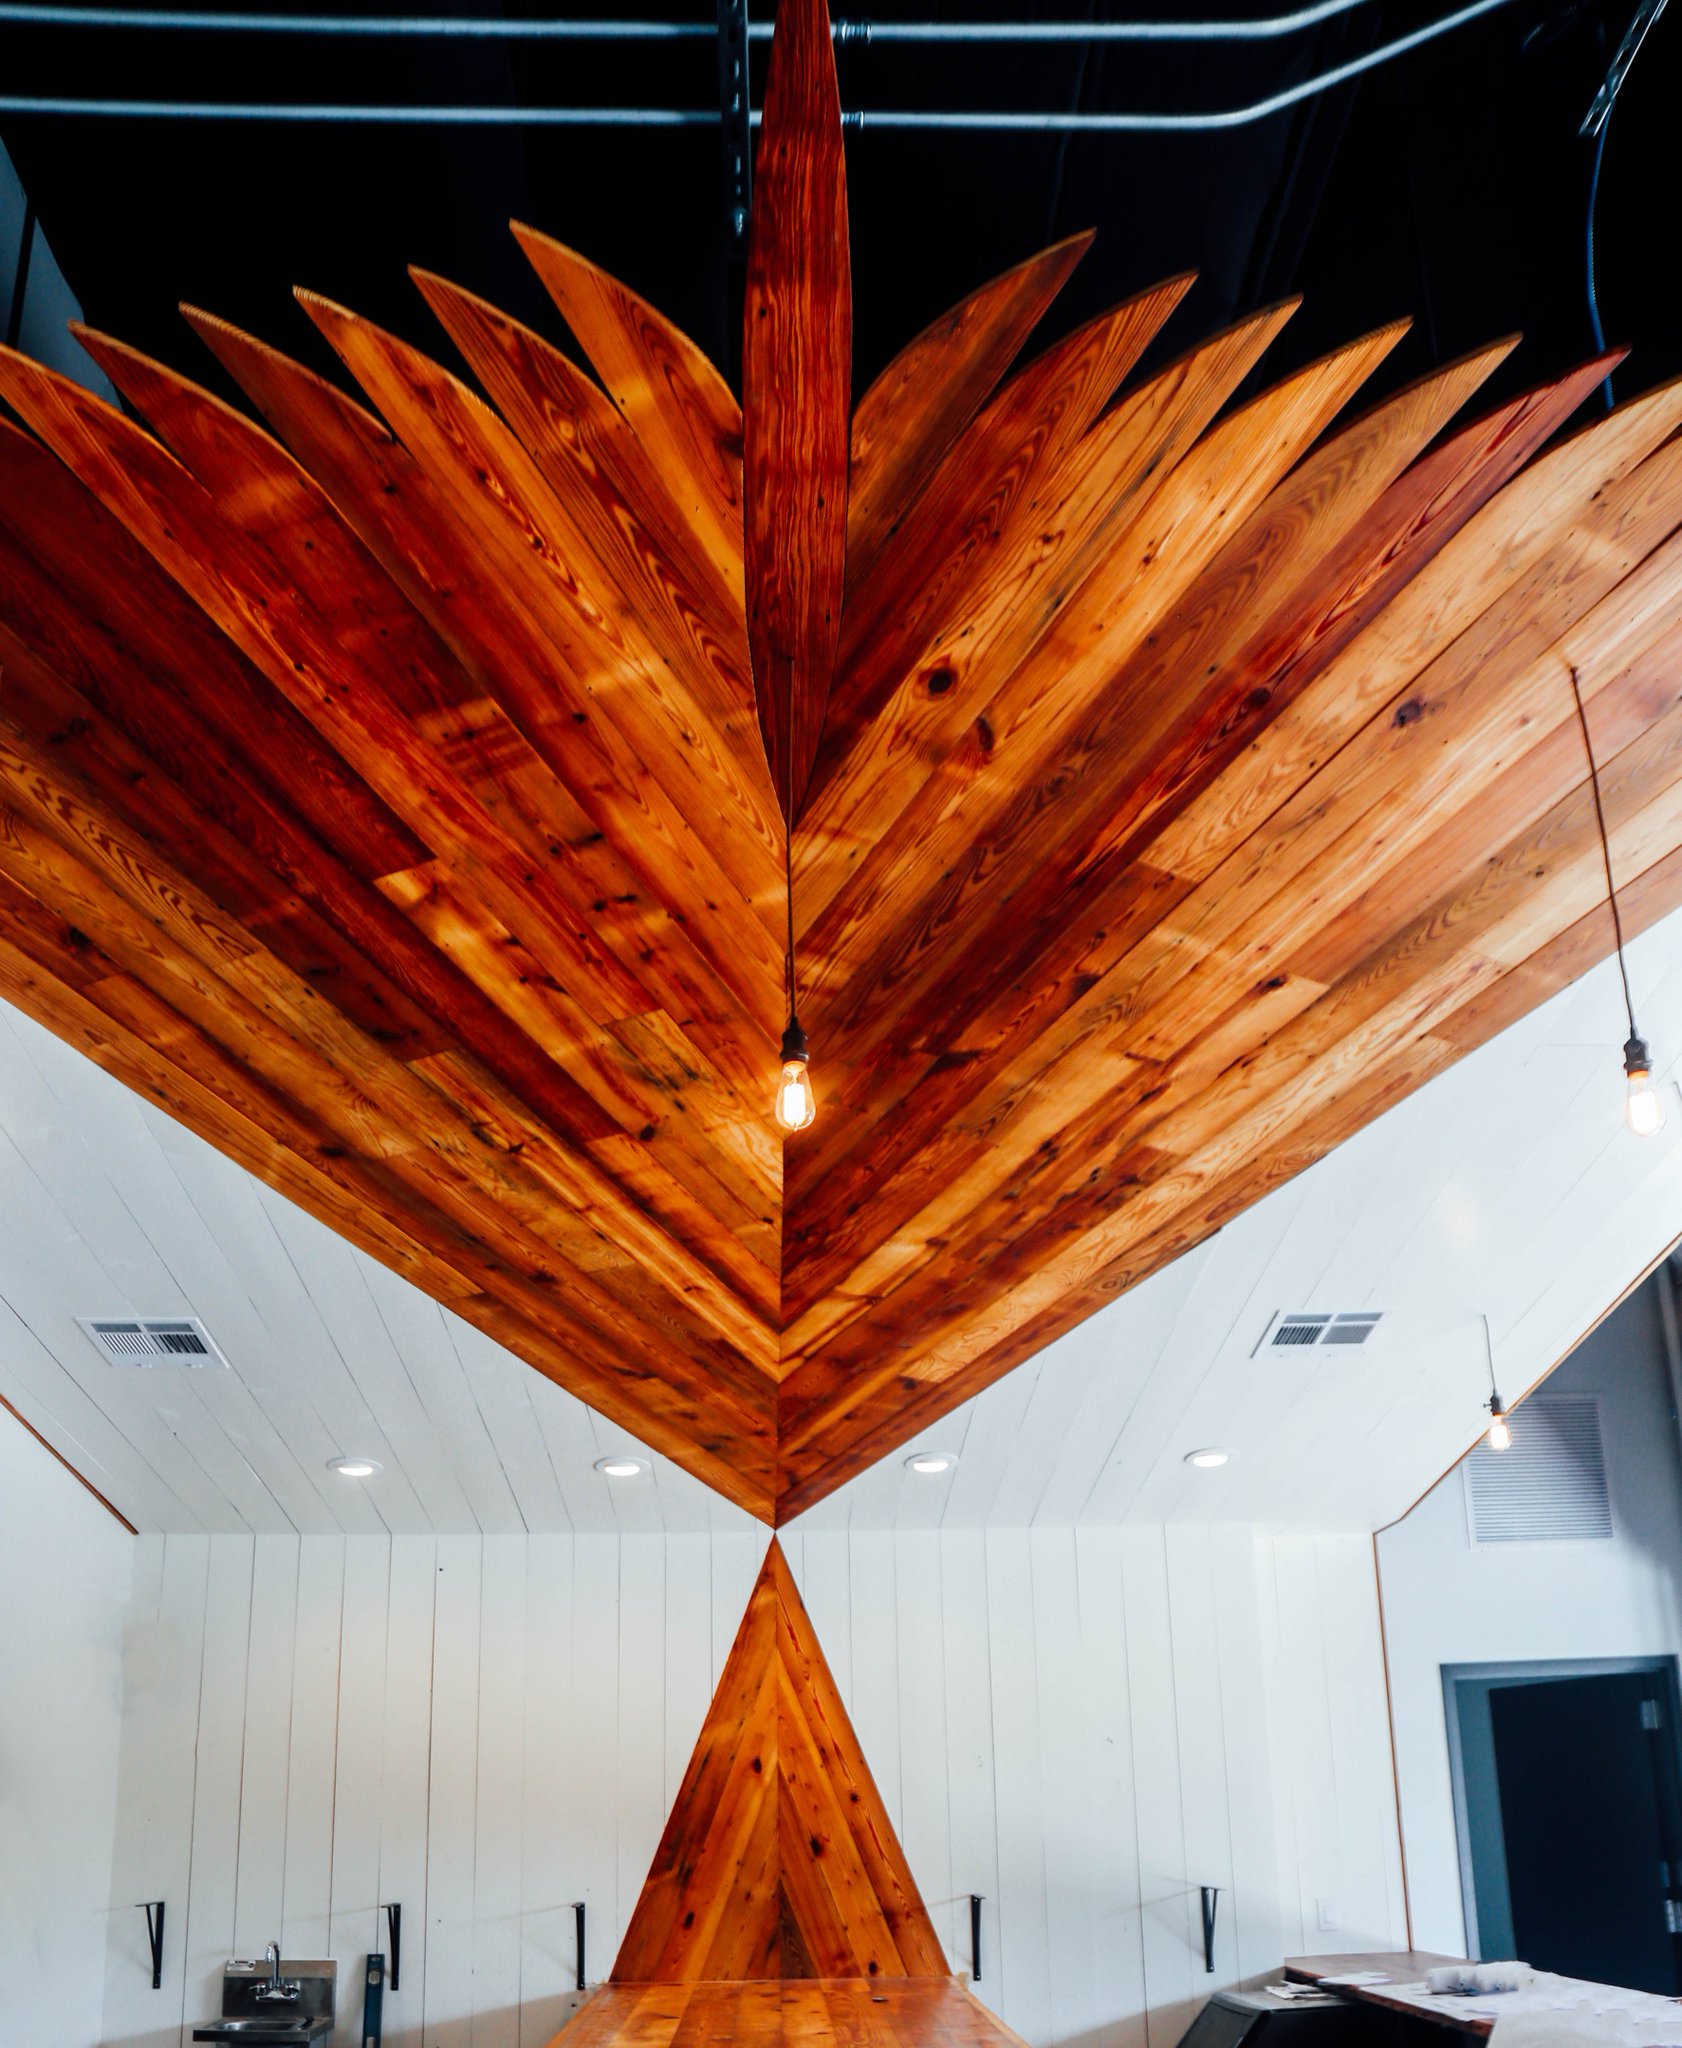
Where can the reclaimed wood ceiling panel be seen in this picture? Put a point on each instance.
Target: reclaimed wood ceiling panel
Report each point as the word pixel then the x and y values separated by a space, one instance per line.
pixel 778 1857
pixel 1176 783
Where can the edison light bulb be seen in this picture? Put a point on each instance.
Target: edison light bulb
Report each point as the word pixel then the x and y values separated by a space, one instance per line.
pixel 1500 1434
pixel 1643 1105
pixel 796 1104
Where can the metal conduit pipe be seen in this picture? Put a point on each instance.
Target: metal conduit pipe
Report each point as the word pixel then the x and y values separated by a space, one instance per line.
pixel 1261 29
pixel 857 120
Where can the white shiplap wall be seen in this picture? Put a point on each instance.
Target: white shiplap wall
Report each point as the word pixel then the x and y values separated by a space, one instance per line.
pixel 64 1583
pixel 1083 1726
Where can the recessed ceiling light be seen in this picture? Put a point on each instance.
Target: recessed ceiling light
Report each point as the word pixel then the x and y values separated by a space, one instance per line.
pixel 930 1462
pixel 1206 1460
pixel 354 1468
pixel 621 1467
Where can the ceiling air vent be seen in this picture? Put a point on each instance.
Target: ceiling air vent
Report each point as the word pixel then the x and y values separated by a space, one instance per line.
pixel 152 1340
pixel 1550 1486
pixel 1302 1329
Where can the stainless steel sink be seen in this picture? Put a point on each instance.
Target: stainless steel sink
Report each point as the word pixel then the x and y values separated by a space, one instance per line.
pixel 286 2002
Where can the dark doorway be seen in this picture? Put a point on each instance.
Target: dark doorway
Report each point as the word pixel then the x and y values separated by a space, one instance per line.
pixel 1568 1791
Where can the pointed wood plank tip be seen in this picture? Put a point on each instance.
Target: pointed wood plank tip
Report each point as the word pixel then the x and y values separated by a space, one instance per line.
pixel 327 313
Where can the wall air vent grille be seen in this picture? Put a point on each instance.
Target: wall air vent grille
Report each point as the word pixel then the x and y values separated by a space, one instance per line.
pixel 1300 1330
pixel 1550 1486
pixel 152 1340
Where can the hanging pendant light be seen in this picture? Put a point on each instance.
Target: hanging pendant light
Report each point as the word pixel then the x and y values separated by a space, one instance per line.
pixel 796 1104
pixel 1643 1105
pixel 1499 1435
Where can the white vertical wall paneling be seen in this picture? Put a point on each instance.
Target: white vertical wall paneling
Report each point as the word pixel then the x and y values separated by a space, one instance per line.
pixel 545 1918
pixel 1205 1797
pixel 819 1562
pixel 1303 1757
pixel 355 1925
pixel 306 1924
pixel 1371 1895
pixel 405 1772
pixel 1249 1916
pixel 1164 1904
pixel 592 1757
pixel 688 1632
pixel 874 1702
pixel 1071 1933
pixel 152 1852
pixel 1107 1746
pixel 213 1790
pixel 736 1560
pixel 500 1785
pixel 452 1795
pixel 66 1582
pixel 969 1749
pixel 264 1799
pixel 925 1819
pixel 641 1810
pixel 1082 1725
pixel 1019 1800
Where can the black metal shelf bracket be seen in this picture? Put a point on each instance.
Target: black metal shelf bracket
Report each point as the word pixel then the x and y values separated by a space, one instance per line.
pixel 154 1911
pixel 578 1921
pixel 975 1899
pixel 1211 1899
pixel 394 1931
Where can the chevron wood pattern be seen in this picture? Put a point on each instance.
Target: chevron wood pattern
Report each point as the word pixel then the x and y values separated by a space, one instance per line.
pixel 398 793
pixel 778 1858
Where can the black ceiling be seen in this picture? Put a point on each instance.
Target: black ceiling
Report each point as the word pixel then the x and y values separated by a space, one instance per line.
pixel 1450 185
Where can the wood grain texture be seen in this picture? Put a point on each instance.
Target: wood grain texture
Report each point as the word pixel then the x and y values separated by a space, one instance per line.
pixel 797 378
pixel 884 2013
pixel 396 796
pixel 778 1858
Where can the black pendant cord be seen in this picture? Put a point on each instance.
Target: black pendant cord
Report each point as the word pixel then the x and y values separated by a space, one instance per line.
pixel 788 860
pixel 1494 1400
pixel 1605 853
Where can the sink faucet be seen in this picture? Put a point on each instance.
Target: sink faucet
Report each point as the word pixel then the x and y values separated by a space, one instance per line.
pixel 278 1987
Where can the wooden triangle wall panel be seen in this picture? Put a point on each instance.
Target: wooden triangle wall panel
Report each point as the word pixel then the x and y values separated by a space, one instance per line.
pixel 778 1859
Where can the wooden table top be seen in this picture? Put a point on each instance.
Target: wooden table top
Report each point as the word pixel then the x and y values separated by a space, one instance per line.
pixel 1401 1966
pixel 904 2012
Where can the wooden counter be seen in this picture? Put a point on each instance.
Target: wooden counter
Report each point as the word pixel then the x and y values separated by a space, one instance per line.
pixel 906 2012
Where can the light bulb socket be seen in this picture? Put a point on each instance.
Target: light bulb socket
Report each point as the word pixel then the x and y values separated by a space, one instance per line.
pixel 1497 1408
pixel 794 1042
pixel 1638 1061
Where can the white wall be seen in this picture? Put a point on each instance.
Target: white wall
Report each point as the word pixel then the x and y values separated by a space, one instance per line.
pixel 1088 1725
pixel 64 1575
pixel 1082 1727
pixel 1447 1601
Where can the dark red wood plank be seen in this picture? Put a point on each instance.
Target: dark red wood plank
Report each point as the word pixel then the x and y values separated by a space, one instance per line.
pixel 797 357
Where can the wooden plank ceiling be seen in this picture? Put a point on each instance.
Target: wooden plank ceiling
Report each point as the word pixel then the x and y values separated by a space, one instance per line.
pixel 400 801
pixel 778 1858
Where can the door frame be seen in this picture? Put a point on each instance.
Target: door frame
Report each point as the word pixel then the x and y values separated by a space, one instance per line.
pixel 1466 1690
